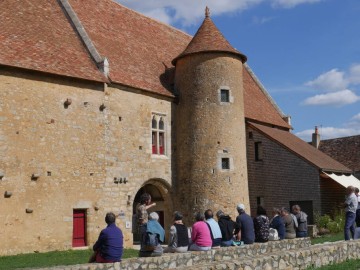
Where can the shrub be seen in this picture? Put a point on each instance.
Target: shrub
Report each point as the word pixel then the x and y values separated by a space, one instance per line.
pixel 322 221
pixel 333 225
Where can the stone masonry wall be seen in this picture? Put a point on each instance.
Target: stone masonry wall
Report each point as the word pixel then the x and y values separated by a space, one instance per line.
pixel 208 130
pixel 289 258
pixel 195 260
pixel 280 177
pixel 77 152
pixel 64 146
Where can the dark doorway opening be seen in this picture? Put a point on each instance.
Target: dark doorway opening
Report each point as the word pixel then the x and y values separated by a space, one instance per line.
pixel 307 207
pixel 157 197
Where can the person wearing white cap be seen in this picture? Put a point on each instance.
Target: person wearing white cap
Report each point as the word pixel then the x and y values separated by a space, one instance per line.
pixel 247 225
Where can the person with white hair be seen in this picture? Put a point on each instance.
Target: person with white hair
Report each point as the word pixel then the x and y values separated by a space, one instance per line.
pixel 350 205
pixel 152 237
pixel 246 224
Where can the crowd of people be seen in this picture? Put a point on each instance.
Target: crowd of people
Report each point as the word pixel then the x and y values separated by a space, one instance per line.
pixel 207 233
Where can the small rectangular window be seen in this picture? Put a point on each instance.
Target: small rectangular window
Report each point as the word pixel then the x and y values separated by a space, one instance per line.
pixel 258 151
pixel 225 95
pixel 225 163
pixel 260 201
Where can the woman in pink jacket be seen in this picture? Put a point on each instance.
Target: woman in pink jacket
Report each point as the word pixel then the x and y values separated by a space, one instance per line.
pixel 200 234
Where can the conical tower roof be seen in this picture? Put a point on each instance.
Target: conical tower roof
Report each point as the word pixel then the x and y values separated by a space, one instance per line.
pixel 208 38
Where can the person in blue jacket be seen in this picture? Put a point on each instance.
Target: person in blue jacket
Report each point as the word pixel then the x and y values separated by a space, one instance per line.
pixel 278 223
pixel 109 246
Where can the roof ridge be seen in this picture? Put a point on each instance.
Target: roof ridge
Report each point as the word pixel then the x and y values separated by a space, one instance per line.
pixel 263 89
pixel 101 62
pixel 345 137
pixel 152 19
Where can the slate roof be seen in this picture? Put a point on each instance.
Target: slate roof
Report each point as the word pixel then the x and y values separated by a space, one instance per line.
pixel 208 38
pixel 36 35
pixel 301 149
pixel 345 150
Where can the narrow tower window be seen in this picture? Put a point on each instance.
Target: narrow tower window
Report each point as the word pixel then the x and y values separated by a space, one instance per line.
pixel 225 95
pixel 225 163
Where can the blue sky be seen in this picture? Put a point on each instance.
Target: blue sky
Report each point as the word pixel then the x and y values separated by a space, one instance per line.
pixel 305 52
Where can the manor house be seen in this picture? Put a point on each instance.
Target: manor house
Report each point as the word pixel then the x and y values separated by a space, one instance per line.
pixel 99 103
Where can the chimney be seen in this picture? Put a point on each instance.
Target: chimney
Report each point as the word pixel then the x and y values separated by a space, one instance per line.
pixel 316 138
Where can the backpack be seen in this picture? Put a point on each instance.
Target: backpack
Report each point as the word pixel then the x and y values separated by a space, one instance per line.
pixel 273 234
pixel 151 241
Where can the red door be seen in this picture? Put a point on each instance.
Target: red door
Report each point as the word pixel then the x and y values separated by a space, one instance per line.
pixel 79 225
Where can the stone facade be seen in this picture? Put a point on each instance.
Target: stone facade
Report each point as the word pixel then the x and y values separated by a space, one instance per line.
pixel 57 158
pixel 280 176
pixel 209 130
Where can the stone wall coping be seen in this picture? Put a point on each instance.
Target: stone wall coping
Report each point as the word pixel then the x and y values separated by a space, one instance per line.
pixel 192 258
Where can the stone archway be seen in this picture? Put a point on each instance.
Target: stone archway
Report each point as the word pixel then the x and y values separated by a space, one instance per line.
pixel 160 194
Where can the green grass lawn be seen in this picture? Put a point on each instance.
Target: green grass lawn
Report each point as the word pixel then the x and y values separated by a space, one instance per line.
pixel 53 258
pixel 328 238
pixel 348 265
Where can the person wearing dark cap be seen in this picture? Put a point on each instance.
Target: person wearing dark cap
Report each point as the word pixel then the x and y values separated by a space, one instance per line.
pixel 179 238
pixel 228 229
pixel 109 246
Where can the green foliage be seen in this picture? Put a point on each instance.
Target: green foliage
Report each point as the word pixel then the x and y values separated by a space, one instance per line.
pixel 53 258
pixel 334 223
pixel 322 221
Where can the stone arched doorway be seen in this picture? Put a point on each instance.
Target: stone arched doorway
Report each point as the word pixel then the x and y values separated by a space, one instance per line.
pixel 160 194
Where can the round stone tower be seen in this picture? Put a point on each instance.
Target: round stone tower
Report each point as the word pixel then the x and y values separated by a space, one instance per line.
pixel 210 146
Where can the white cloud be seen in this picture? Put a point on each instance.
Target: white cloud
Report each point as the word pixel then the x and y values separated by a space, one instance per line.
pixel 349 128
pixel 328 133
pixel 356 118
pixel 354 74
pixel 189 12
pixel 261 20
pixel 292 3
pixel 332 80
pixel 336 99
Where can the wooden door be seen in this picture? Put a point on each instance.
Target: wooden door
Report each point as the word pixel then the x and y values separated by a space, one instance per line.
pixel 79 228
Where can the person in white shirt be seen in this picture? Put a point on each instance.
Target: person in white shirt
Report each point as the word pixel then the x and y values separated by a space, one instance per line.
pixel 351 204
pixel 357 219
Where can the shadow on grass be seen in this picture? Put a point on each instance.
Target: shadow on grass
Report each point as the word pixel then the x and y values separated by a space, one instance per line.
pixel 53 258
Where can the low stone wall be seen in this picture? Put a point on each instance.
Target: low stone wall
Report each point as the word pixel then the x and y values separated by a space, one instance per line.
pixel 316 256
pixel 191 259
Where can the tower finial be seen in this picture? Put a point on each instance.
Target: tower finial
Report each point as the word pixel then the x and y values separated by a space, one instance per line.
pixel 207 12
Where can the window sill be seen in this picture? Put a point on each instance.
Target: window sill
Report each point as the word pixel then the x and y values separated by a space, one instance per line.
pixel 155 156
